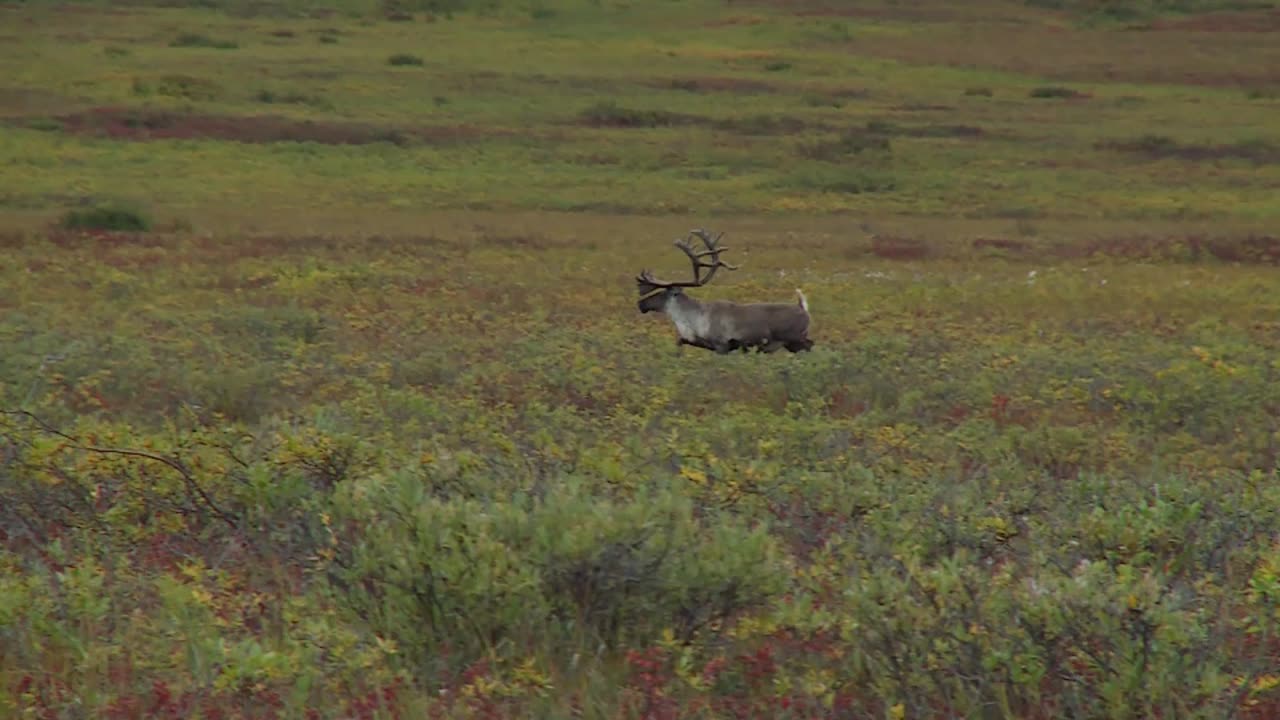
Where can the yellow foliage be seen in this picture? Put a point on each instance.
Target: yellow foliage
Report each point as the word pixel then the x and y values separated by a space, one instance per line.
pixel 694 475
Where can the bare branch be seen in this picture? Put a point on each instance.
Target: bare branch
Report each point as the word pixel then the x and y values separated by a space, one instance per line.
pixel 171 462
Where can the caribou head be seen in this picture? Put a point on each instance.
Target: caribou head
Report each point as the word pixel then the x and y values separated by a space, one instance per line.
pixel 720 325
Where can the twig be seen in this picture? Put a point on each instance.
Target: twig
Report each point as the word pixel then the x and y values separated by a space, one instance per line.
pixel 172 462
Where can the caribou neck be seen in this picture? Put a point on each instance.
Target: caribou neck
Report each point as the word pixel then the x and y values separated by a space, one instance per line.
pixel 688 315
pixel 683 304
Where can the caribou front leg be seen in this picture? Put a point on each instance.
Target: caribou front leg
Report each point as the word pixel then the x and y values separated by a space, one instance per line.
pixel 696 342
pixel 720 348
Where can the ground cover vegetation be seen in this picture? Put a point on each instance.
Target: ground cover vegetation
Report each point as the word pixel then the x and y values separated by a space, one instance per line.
pixel 323 392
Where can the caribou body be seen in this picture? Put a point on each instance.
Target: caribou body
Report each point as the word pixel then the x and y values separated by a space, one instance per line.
pixel 721 325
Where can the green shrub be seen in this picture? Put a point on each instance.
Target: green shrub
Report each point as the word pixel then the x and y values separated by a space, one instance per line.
pixel 186 87
pixel 836 179
pixel 561 566
pixel 46 124
pixel 607 113
pixel 1162 146
pixel 762 124
pixel 198 40
pixel 404 59
pixel 851 142
pixel 1054 91
pixel 291 97
pixel 112 218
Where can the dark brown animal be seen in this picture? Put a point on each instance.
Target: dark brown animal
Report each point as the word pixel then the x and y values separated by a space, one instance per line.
pixel 721 325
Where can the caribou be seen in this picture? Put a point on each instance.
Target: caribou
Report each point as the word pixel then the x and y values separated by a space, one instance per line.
pixel 721 325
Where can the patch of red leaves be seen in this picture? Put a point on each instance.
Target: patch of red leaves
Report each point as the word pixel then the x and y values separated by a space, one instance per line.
pixel 894 247
pixel 164 702
pixel 102 238
pixel 1001 243
pixel 712 84
pixel 138 124
pixel 732 20
pixel 1244 249
pixel 919 11
pixel 1259 21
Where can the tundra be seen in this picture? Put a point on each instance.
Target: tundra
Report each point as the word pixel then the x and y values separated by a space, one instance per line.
pixel 721 325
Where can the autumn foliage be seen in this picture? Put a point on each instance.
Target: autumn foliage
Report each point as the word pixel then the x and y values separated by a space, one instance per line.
pixel 250 478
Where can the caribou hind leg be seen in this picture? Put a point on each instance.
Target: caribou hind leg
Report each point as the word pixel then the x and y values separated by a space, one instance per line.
pixel 800 345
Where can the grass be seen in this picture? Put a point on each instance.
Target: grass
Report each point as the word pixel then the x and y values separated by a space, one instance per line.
pixel 664 92
pixel 323 391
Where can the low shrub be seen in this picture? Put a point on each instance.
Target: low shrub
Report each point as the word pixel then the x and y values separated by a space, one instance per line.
pixel 608 113
pixel 896 247
pixel 198 40
pixel 836 179
pixel 291 97
pixel 1054 91
pixel 562 565
pixel 185 87
pixel 404 60
pixel 1163 146
pixel 850 142
pixel 106 218
pixel 46 124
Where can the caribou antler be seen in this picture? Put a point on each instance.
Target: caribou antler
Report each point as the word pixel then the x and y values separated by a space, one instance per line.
pixel 647 283
pixel 713 250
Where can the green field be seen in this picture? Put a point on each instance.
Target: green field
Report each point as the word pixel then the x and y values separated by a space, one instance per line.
pixel 324 393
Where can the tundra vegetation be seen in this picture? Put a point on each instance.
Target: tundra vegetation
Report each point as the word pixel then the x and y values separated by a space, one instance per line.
pixel 325 394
